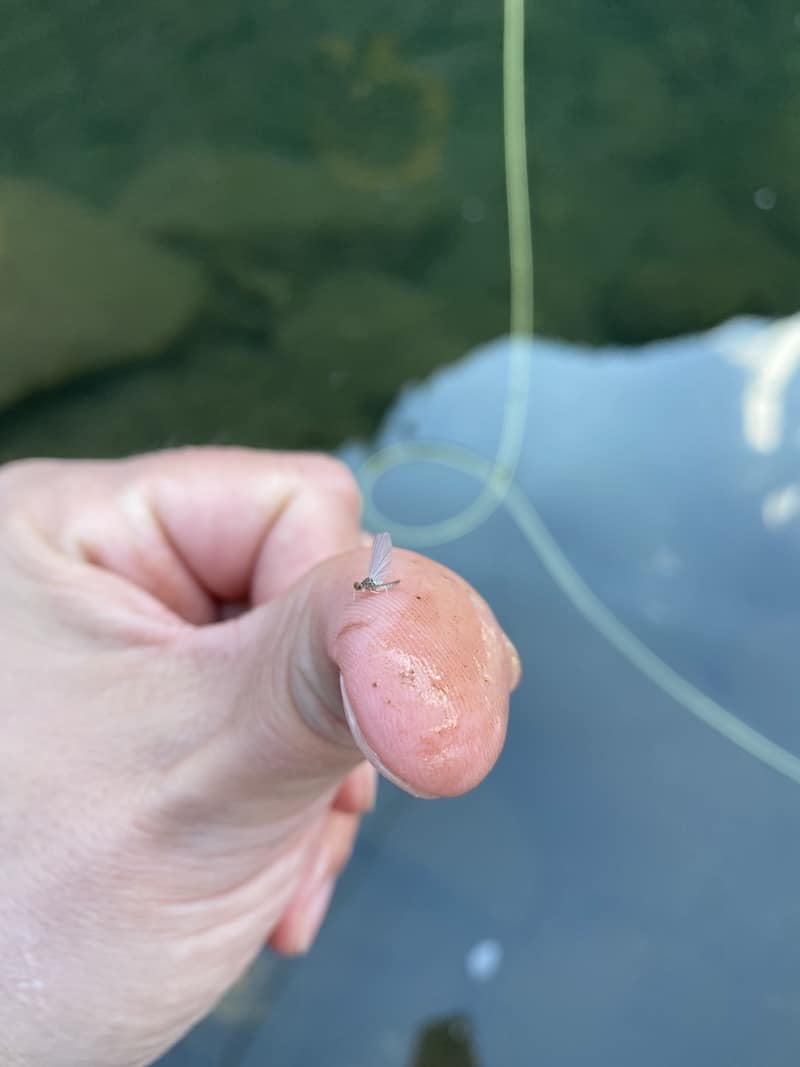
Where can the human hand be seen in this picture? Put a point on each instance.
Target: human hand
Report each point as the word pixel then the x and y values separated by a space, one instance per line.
pixel 179 779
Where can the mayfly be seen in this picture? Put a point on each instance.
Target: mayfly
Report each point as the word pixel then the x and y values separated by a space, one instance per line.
pixel 378 566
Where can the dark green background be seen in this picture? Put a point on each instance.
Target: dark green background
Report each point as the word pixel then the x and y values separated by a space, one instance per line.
pixel 275 149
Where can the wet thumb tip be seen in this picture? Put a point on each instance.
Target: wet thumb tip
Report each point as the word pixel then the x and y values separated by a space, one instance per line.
pixel 370 753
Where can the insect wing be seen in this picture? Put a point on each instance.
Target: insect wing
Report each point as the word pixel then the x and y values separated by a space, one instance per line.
pixel 381 557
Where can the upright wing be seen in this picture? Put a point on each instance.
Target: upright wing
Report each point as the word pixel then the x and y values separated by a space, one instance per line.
pixel 381 557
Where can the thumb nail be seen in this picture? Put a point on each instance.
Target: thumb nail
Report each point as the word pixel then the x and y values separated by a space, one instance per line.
pixel 369 752
pixel 514 660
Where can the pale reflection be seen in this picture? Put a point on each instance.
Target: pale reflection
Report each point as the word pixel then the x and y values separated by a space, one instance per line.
pixel 772 357
pixel 781 506
pixel 765 198
pixel 483 960
pixel 665 561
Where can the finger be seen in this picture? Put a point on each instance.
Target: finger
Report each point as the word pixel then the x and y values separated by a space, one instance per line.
pixel 425 670
pixel 358 792
pixel 196 526
pixel 426 674
pixel 303 917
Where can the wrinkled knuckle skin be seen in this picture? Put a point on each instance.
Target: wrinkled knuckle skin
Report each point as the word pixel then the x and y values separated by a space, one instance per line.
pixel 349 489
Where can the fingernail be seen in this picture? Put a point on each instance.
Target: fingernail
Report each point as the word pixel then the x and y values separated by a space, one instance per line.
pixel 516 664
pixel 371 755
pixel 315 912
pixel 371 791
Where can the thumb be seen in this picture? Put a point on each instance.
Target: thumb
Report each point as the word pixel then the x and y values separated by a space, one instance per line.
pixel 417 680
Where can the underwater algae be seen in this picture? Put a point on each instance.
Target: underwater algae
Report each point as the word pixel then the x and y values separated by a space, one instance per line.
pixel 378 122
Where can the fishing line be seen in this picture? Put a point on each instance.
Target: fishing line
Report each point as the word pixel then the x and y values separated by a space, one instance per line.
pixel 495 487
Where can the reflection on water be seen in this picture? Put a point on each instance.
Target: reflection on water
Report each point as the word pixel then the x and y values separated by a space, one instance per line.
pixel 668 559
pixel 781 505
pixel 772 363
pixel 483 960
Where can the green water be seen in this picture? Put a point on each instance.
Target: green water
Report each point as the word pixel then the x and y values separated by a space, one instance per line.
pixel 253 223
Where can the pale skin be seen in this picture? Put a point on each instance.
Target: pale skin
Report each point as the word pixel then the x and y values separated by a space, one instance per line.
pixel 192 709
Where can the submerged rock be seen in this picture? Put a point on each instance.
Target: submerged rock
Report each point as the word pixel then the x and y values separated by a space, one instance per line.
pixel 79 291
pixel 249 198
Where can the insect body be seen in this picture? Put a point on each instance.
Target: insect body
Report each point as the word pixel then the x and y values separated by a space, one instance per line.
pixel 378 566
